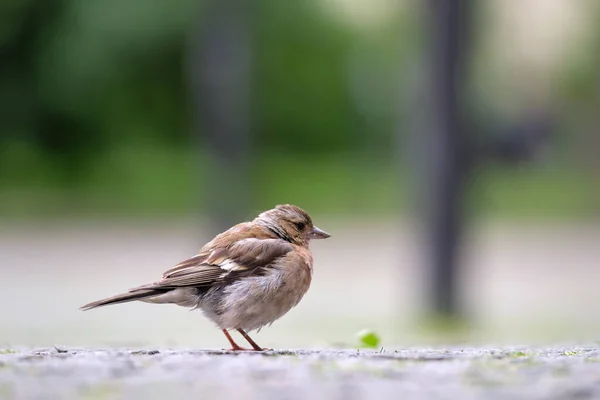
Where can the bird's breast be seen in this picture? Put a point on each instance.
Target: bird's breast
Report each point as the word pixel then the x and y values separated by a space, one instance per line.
pixel 253 302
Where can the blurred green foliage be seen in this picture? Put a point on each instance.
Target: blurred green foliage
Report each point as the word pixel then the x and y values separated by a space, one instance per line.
pixel 96 112
pixel 85 77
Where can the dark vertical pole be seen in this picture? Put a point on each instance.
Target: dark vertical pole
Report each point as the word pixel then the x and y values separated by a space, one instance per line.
pixel 446 149
pixel 220 69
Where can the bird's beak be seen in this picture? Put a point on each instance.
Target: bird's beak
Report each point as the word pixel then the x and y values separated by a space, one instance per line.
pixel 316 233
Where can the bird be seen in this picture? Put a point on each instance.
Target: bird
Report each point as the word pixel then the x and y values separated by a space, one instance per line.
pixel 245 278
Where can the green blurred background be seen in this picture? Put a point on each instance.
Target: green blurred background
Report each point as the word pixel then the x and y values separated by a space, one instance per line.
pixel 107 172
pixel 96 90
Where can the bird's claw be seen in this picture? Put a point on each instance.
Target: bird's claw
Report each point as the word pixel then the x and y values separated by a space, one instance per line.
pixel 238 349
pixel 245 349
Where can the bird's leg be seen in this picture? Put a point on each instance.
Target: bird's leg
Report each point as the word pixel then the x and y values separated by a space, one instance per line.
pixel 252 342
pixel 234 345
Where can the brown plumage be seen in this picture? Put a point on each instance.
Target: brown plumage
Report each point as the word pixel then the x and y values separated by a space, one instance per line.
pixel 245 278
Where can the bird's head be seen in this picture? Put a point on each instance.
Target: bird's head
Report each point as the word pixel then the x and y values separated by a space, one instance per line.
pixel 292 224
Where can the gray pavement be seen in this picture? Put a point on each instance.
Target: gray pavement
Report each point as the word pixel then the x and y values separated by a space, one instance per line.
pixel 418 373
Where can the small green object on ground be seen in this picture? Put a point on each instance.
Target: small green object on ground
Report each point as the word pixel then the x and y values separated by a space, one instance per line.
pixel 369 339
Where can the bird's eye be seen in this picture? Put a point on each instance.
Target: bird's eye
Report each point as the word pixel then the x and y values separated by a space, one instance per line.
pixel 300 225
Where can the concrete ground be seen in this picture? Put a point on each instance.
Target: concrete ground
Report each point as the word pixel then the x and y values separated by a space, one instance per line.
pixel 421 373
pixel 533 284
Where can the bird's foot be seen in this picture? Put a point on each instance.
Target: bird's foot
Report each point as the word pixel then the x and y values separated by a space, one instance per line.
pixel 235 347
pixel 238 348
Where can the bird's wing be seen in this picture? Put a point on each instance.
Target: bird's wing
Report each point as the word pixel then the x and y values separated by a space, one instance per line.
pixel 242 258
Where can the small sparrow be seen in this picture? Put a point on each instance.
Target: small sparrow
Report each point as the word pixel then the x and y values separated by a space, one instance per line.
pixel 245 278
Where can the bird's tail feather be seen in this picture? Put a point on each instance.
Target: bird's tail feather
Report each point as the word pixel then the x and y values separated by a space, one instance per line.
pixel 123 298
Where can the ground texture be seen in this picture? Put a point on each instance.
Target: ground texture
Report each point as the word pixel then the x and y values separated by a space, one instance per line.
pixel 419 373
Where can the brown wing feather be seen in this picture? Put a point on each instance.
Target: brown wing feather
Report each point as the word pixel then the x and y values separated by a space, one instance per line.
pixel 242 258
pixel 185 265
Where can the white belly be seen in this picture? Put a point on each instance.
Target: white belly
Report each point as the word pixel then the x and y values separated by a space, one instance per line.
pixel 254 302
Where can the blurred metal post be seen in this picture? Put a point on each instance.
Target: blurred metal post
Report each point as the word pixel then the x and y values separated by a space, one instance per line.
pixel 220 68
pixel 447 158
